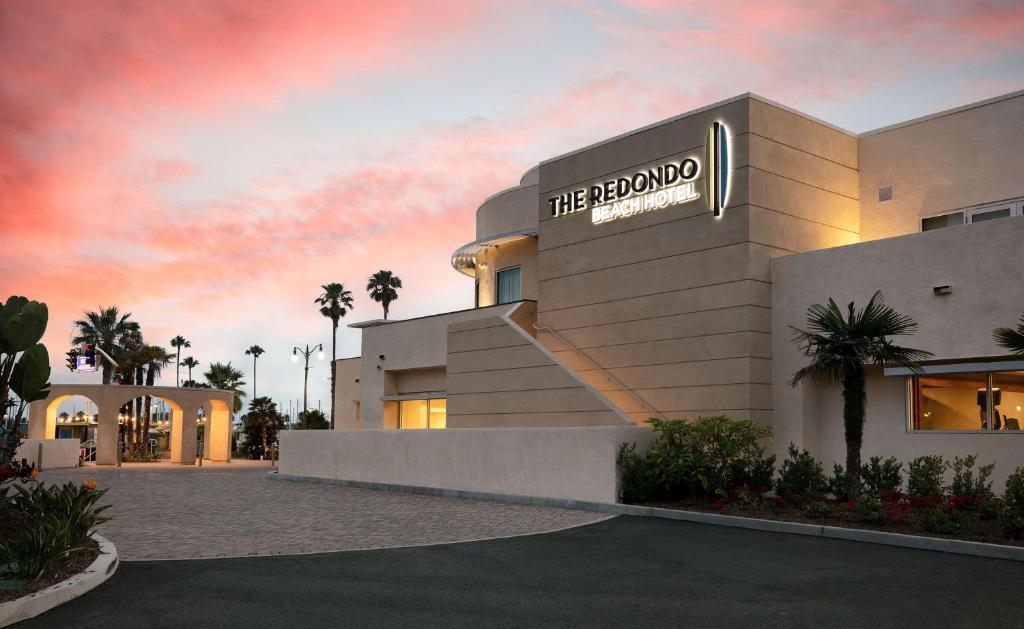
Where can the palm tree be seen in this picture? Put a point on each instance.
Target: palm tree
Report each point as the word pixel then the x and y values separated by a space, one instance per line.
pixel 178 342
pixel 224 376
pixel 840 346
pixel 155 359
pixel 1011 339
pixel 262 419
pixel 255 351
pixel 334 302
pixel 108 330
pixel 381 287
pixel 189 363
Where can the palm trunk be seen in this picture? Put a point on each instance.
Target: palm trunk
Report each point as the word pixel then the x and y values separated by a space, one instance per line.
pixel 385 310
pixel 334 351
pixel 177 368
pixel 254 376
pixel 263 430
pixel 853 421
pixel 139 379
pixel 150 380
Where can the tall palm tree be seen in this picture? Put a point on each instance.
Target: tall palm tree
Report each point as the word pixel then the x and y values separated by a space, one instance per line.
pixel 1011 339
pixel 189 363
pixel 108 330
pixel 255 351
pixel 178 342
pixel 382 287
pixel 155 359
pixel 840 346
pixel 334 303
pixel 224 376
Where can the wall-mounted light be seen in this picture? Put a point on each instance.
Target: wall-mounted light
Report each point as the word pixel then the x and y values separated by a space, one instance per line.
pixel 942 290
pixel 381 357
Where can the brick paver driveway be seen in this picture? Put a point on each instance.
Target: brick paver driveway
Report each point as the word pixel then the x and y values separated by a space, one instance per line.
pixel 175 512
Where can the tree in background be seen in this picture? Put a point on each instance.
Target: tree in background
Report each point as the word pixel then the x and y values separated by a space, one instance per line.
pixel 224 376
pixel 1011 339
pixel 313 419
pixel 260 426
pixel 178 342
pixel 334 303
pixel 840 346
pixel 108 330
pixel 155 358
pixel 189 363
pixel 382 287
pixel 255 351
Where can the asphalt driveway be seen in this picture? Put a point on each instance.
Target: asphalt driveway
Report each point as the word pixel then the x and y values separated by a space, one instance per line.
pixel 619 572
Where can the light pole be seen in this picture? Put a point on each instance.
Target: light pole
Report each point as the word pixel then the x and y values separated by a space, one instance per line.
pixel 305 382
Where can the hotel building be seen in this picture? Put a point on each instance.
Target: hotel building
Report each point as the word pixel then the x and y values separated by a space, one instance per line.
pixel 657 274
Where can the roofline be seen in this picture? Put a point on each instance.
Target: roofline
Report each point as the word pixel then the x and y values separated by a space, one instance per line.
pixel 442 314
pixel 693 112
pixel 945 112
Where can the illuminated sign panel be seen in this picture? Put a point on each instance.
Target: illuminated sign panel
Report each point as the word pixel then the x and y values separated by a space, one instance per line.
pixel 655 188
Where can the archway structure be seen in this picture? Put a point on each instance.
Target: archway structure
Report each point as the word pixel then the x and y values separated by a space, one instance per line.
pixel 109 398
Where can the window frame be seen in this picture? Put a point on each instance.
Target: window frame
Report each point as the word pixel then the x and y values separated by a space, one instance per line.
pixel 990 369
pixel 497 284
pixel 1016 207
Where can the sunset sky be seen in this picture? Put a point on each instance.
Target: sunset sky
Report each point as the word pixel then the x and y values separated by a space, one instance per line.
pixel 207 165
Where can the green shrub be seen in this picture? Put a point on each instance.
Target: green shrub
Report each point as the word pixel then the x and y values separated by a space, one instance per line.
pixel 1011 521
pixel 936 521
pixel 59 520
pixel 839 483
pixel 880 475
pixel 638 480
pixel 968 483
pixel 1014 494
pixel 801 475
pixel 924 476
pixel 819 510
pixel 705 457
pixel 869 509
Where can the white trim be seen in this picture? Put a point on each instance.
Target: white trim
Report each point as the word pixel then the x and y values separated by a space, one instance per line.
pixel 991 365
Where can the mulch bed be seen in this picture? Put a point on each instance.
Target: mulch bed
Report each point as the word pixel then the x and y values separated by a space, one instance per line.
pixel 981 530
pixel 65 570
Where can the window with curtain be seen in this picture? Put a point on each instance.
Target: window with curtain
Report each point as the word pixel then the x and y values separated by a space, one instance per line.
pixel 508 286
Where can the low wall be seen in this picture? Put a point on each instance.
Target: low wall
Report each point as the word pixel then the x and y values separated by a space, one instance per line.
pixel 57 453
pixel 575 463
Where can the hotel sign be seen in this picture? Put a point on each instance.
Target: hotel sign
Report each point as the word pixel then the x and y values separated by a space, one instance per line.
pixel 655 188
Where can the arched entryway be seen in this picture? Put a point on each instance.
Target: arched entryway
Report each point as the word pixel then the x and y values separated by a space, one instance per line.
pixel 185 405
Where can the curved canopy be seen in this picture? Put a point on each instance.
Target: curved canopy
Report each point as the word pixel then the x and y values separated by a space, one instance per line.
pixel 464 258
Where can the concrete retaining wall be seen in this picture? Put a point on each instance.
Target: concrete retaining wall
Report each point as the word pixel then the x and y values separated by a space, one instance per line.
pixel 576 463
pixel 57 453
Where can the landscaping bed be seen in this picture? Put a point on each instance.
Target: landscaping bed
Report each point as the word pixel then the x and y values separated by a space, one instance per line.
pixel 11 589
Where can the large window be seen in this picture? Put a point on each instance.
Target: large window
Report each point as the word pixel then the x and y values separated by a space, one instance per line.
pixel 419 414
pixel 508 286
pixel 977 400
pixel 978 214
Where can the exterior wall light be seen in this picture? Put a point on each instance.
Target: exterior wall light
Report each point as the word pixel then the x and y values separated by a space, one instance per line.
pixel 942 290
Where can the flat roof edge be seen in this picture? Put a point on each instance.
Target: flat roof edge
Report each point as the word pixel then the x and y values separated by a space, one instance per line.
pixel 694 112
pixel 945 112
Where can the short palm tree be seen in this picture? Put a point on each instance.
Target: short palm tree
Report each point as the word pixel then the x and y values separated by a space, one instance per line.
pixel 224 376
pixel 334 303
pixel 108 330
pixel 382 287
pixel 1011 339
pixel 189 363
pixel 255 351
pixel 840 345
pixel 178 342
pixel 264 420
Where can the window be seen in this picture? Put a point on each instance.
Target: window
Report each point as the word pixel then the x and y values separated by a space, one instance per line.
pixel 508 285
pixel 422 414
pixel 962 401
pixel 979 214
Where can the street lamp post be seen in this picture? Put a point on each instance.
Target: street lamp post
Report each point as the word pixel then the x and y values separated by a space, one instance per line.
pixel 306 353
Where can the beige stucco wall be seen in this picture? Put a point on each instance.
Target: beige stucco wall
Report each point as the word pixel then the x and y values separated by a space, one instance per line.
pixel 576 463
pixel 412 344
pixel 987 293
pixel 500 375
pixel 57 453
pixel 944 163
pixel 507 211
pixel 521 253
pixel 348 371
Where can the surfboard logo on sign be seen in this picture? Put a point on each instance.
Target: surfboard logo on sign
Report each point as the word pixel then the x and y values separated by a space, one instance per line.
pixel 718 168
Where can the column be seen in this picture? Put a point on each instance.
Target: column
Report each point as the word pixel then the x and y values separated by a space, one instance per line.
pixel 106 435
pixel 183 435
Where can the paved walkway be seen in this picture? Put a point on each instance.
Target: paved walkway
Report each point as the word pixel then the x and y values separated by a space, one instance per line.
pixel 624 572
pixel 175 512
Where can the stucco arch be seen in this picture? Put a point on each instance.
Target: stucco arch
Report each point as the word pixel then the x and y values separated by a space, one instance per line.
pixel 184 403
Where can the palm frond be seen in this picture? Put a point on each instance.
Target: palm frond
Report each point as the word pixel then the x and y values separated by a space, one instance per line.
pixel 1011 339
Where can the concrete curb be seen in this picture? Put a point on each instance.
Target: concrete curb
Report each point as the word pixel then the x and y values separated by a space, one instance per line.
pixel 958 547
pixel 44 600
